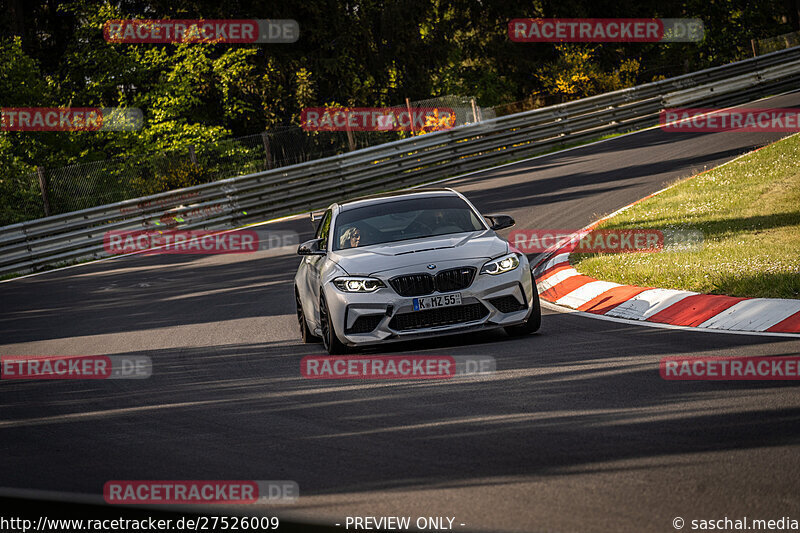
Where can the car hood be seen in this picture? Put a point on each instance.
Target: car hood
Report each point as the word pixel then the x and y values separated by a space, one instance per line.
pixel 398 255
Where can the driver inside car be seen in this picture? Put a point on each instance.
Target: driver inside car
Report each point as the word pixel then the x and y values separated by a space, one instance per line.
pixel 351 237
pixel 438 219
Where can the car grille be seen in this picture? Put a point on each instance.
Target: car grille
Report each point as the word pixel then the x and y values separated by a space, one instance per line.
pixel 413 284
pixel 365 324
pixel 507 304
pixel 443 316
pixel 453 279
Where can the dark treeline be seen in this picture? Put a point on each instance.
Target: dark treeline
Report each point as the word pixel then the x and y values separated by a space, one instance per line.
pixel 361 52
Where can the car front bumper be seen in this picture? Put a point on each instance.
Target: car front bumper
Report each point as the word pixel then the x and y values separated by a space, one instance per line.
pixel 395 319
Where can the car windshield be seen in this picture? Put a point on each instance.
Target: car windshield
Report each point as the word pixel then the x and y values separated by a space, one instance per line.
pixel 402 220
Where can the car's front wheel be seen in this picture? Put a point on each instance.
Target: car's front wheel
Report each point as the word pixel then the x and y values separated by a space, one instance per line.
pixel 534 321
pixel 329 338
pixel 305 333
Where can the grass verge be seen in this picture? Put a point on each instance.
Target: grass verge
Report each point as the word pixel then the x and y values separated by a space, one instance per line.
pixel 749 214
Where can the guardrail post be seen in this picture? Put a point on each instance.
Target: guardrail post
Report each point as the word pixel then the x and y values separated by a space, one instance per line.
pixel 410 118
pixel 43 187
pixel 265 140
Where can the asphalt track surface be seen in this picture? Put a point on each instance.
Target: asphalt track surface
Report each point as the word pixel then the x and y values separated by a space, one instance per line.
pixel 575 431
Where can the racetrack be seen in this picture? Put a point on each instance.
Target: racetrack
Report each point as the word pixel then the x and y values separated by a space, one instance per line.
pixel 575 431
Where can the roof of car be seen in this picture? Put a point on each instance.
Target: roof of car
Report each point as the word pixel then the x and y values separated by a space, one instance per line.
pixel 393 196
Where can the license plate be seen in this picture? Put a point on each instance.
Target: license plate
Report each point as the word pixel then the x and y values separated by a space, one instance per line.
pixel 432 302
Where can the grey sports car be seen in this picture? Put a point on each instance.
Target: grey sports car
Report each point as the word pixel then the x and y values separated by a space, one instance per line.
pixel 411 265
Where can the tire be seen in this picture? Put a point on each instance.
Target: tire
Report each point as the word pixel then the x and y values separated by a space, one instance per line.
pixel 329 338
pixel 305 333
pixel 534 321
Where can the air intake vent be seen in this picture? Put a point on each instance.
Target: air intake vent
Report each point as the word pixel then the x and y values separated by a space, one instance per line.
pixel 444 316
pixel 507 304
pixel 365 324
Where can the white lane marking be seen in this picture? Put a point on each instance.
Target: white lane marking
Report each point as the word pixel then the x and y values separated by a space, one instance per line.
pixel 587 228
pixel 584 293
pixel 757 314
pixel 566 310
pixel 550 275
pixel 560 258
pixel 557 278
pixel 647 303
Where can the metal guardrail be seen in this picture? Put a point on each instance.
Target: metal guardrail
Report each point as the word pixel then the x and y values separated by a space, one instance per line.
pixel 31 245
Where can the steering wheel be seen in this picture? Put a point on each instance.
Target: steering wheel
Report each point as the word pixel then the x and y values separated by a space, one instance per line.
pixel 425 229
pixel 448 228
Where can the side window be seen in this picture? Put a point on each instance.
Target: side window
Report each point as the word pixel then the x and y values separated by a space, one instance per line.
pixel 323 230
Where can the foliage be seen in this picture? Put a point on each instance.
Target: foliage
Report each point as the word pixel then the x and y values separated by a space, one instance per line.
pixel 359 53
pixel 437 122
pixel 175 176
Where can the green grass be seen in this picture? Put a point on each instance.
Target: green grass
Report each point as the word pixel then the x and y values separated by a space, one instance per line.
pixel 749 214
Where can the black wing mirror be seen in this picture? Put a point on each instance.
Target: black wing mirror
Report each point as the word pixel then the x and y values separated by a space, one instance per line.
pixel 500 221
pixel 310 248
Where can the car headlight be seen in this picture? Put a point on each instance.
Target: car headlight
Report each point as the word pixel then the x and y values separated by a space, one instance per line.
pixel 357 284
pixel 501 265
